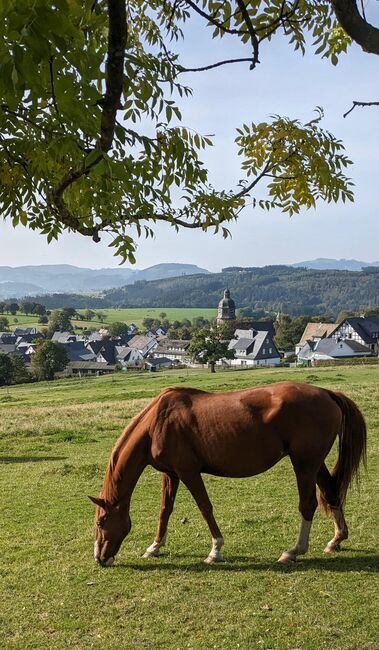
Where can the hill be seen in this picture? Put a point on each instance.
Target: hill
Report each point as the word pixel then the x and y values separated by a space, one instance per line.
pixel 20 281
pixel 338 265
pixel 272 288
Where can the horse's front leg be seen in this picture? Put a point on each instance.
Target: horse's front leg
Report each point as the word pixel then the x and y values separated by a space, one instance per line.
pixel 195 484
pixel 169 490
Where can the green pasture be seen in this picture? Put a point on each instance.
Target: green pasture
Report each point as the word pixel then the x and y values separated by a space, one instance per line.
pixel 55 440
pixel 137 314
pixel 132 315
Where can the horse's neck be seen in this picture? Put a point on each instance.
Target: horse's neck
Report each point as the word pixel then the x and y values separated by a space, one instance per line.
pixel 130 463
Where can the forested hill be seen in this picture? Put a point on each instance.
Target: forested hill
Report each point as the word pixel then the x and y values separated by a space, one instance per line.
pixel 273 288
pixel 294 291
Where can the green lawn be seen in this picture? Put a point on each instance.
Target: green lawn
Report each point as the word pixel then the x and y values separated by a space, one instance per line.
pixel 55 440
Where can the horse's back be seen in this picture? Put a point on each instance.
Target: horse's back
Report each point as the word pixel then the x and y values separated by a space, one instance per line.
pixel 241 433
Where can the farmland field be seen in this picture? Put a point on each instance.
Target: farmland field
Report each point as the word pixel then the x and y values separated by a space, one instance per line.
pixel 130 315
pixel 55 440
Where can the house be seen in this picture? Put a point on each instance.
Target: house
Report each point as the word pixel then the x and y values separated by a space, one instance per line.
pixel 25 331
pixel 161 362
pixel 360 329
pixel 145 344
pixel 128 357
pixel 64 337
pixel 314 332
pixel 7 338
pixel 85 368
pixel 175 350
pixel 331 348
pixel 106 353
pixel 257 348
pixel 258 326
pixel 77 351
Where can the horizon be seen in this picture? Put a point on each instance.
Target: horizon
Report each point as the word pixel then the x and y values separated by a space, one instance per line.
pixel 136 269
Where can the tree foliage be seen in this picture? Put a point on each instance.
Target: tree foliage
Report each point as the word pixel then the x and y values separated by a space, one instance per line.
pixel 92 138
pixel 49 358
pixel 5 369
pixel 209 346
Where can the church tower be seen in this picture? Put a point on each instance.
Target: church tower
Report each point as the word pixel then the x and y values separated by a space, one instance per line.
pixel 226 309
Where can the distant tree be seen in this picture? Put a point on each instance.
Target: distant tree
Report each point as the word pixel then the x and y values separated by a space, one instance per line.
pixel 101 316
pixel 43 319
pixel 12 308
pixel 20 373
pixel 59 322
pixel 289 330
pixel 4 324
pixel 2 307
pixel 15 320
pixel 208 346
pixel 38 309
pixel 162 315
pixel 49 358
pixel 182 333
pixel 70 312
pixel 117 329
pixel 26 306
pixel 5 369
pixel 199 322
pixel 89 314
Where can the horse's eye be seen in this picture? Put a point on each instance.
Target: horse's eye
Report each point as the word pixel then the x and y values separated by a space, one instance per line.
pixel 101 522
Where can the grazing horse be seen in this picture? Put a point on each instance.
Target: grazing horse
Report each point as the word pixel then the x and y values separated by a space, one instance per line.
pixel 185 431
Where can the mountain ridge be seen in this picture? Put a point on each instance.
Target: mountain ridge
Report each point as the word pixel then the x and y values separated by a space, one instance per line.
pixel 20 281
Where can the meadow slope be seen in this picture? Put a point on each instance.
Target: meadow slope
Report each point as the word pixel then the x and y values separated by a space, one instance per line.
pixel 55 440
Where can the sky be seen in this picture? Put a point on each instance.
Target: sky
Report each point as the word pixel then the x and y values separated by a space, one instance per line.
pixel 284 83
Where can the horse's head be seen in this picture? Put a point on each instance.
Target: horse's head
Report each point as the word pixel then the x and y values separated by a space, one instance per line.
pixel 112 526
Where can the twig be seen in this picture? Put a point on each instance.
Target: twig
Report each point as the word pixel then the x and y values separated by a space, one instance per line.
pixel 355 104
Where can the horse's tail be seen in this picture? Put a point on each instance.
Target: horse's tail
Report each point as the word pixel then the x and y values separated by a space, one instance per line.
pixel 351 448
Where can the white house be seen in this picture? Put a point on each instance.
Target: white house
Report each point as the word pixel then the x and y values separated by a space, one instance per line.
pixel 256 348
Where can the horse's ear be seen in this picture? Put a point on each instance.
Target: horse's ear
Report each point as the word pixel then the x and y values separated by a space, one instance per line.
pixel 99 502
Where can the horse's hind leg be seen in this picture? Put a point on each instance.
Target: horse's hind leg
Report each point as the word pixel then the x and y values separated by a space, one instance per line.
pixel 169 490
pixel 195 484
pixel 330 502
pixel 306 482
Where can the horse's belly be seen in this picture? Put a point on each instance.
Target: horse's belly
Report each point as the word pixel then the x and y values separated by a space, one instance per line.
pixel 244 459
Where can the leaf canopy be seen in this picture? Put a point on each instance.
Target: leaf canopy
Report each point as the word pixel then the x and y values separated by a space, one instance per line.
pixel 92 138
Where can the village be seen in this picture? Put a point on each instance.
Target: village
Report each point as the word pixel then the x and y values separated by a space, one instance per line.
pixel 97 352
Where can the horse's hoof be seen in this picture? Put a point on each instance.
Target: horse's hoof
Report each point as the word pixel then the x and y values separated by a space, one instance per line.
pixel 211 559
pixel 331 548
pixel 286 558
pixel 148 554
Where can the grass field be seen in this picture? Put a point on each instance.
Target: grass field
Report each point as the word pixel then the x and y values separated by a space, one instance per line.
pixel 55 440
pixel 132 315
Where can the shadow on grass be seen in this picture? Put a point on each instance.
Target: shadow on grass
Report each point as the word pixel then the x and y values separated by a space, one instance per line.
pixel 366 562
pixel 29 459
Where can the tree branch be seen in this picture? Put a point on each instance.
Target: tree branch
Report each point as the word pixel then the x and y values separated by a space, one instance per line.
pixel 355 104
pixel 251 30
pixel 117 37
pixel 366 35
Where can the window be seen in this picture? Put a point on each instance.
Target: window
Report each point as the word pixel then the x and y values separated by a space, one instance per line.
pixel 270 350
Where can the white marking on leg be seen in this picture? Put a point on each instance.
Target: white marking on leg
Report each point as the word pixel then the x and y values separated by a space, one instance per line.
pixel 96 551
pixel 302 543
pixel 154 549
pixel 340 531
pixel 215 554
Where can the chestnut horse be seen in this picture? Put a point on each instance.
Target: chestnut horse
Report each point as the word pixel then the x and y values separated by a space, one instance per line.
pixel 184 432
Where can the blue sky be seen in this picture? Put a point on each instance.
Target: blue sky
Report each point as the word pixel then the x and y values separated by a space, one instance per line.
pixel 285 83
